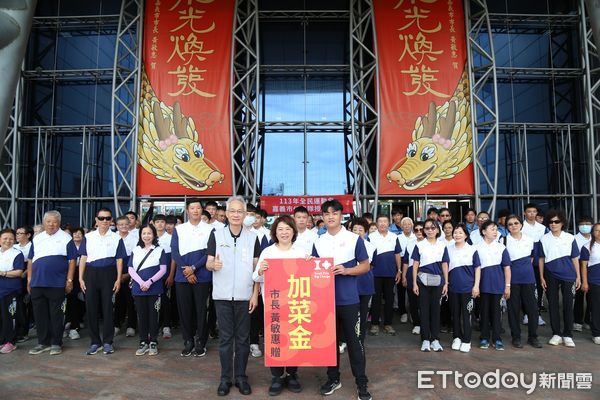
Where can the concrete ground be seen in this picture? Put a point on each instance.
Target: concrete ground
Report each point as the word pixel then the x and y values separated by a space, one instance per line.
pixel 393 363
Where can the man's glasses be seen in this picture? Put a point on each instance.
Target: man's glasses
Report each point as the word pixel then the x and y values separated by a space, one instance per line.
pixel 104 218
pixel 554 221
pixel 418 229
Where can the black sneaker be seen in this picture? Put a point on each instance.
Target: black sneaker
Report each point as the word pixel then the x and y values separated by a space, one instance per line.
pixel 292 383
pixel 534 342
pixel 330 386
pixel 223 389
pixel 276 386
pixel 244 387
pixel 188 348
pixel 516 342
pixel 199 352
pixel 363 393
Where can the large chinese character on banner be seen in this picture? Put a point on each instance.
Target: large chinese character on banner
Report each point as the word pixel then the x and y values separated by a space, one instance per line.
pixel 184 125
pixel 425 113
pixel 300 313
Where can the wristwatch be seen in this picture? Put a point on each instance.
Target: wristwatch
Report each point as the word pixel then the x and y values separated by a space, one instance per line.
pixel 69 280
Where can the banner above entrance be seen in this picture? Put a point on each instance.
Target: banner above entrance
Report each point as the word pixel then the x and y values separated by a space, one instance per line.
pixel 274 205
pixel 425 114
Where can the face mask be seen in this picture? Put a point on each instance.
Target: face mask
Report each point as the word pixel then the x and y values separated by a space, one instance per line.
pixel 585 229
pixel 249 220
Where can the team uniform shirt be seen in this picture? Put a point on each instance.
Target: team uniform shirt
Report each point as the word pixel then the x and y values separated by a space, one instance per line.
pixel 446 242
pixel 493 258
pixel 407 259
pixel 273 252
pixel 263 235
pixel 384 261
pixel 395 229
pixel 305 240
pixel 164 241
pixel 217 224
pixel 404 240
pixel 471 227
pixel 129 241
pixel 461 268
pixel 535 231
pixel 476 238
pixel 559 252
pixel 24 250
pixel 50 256
pixel 102 251
pixel 593 259
pixel 521 252
pixel 188 247
pixel 347 249
pixel 149 268
pixel 366 282
pixel 11 260
pixel 430 257
pixel 582 240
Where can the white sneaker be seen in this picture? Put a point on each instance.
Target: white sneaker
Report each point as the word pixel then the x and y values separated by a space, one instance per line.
pixel 568 342
pixel 130 332
pixel 577 327
pixel 426 346
pixel 465 347
pixel 541 322
pixel 416 330
pixel 436 346
pixel 555 340
pixel 167 333
pixel 404 318
pixel 596 340
pixel 117 331
pixel 525 319
pixel 343 347
pixel 73 334
pixel 255 351
pixel 456 344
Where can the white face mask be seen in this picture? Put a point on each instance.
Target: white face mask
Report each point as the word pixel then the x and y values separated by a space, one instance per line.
pixel 249 220
pixel 585 229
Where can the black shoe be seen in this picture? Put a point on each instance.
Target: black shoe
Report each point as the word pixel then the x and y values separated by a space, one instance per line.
pixel 199 351
pixel 543 309
pixel 516 342
pixel 213 334
pixel 223 389
pixel 188 348
pixel 330 386
pixel 244 387
pixel 293 384
pixel 534 342
pixel 363 393
pixel 276 386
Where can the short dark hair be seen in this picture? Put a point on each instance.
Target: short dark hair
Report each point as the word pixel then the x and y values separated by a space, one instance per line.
pixel 360 221
pixel 28 230
pixel 9 230
pixel 104 209
pixel 441 210
pixel 530 205
pixel 505 212
pixel 211 203
pixel 514 216
pixel 462 226
pixel 170 219
pixel 221 208
pixel 206 214
pixel 397 211
pixel 585 218
pixel 78 229
pixel 448 222
pixel 560 214
pixel 122 218
pixel 251 208
pixel 383 216
pixel 333 204
pixel 192 200
pixel 485 225
pixel 159 217
pixel 432 210
pixel 262 213
pixel 368 215
pixel 132 213
pixel 468 210
pixel 179 217
pixel 301 210
pixel 154 241
pixel 289 221
pixel 434 222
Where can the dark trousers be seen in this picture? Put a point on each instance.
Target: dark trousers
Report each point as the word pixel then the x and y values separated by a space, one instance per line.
pixel 401 294
pixel 364 312
pixel 257 322
pixel 461 305
pixel 99 295
pixel 384 287
pixel 348 319
pixel 581 312
pixel 212 313
pixel 8 313
pixel 48 308
pixel 554 287
pixel 24 312
pixel 166 315
pixel 491 314
pixel 445 313
pixel 148 308
pixel 429 305
pixel 538 287
pixel 75 307
pixel 279 371
pixel 234 332
pixel 125 307
pixel 192 301
pixel 413 305
pixel 594 305
pixel 522 296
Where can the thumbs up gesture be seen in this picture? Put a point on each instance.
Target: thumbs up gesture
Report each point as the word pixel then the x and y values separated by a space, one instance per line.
pixel 218 264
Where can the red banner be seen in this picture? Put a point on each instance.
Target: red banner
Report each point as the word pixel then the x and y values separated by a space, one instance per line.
pixel 184 132
pixel 275 205
pixel 425 118
pixel 300 313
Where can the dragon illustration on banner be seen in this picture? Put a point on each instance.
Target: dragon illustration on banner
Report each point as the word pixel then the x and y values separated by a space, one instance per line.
pixel 168 145
pixel 441 144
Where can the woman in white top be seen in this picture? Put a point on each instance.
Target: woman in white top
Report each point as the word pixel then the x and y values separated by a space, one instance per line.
pixel 11 269
pixel 406 277
pixel 24 310
pixel 283 234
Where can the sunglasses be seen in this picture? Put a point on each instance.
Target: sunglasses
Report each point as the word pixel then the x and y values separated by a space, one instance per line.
pixel 513 223
pixel 554 221
pixel 418 229
pixel 104 218
pixel 430 228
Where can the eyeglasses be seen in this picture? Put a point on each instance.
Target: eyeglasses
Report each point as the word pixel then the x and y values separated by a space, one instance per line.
pixel 104 218
pixel 482 219
pixel 444 215
pixel 236 211
pixel 430 228
pixel 513 224
pixel 418 229
pixel 554 221
pixel 20 233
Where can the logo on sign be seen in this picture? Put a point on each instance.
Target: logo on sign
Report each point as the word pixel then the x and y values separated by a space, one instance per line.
pixel 326 265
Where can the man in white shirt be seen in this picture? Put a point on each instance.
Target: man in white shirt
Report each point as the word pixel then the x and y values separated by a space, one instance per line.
pixel 535 230
pixel 306 237
pixel 124 304
pixel 405 236
pixel 168 304
pixel 581 313
pixel 211 207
